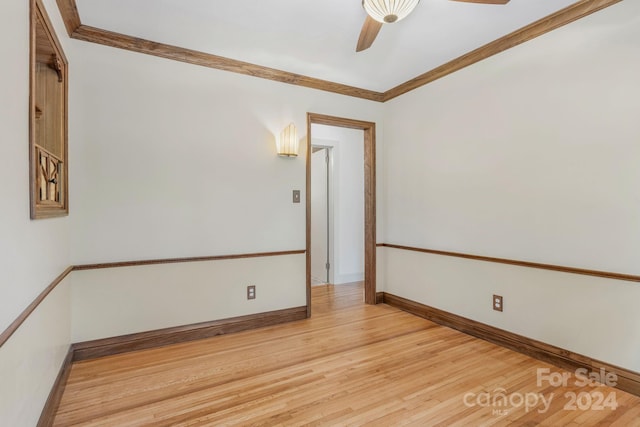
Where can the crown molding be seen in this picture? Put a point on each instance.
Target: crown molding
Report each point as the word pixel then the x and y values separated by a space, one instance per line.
pixel 135 44
pixel 79 31
pixel 542 26
pixel 70 16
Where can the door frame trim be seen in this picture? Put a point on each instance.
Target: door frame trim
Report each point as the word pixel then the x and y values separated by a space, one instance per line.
pixel 369 129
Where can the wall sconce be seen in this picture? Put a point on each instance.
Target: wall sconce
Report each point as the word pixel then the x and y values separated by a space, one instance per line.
pixel 287 145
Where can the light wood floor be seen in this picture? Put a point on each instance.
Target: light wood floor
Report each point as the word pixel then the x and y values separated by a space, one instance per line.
pixel 350 364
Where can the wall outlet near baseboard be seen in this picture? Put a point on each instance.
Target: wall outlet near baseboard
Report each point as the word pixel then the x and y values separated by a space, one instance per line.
pixel 497 303
pixel 251 292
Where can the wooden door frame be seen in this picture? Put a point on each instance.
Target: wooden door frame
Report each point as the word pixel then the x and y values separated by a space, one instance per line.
pixel 369 129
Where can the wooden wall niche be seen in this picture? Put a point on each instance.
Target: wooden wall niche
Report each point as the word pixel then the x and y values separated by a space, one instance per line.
pixel 47 119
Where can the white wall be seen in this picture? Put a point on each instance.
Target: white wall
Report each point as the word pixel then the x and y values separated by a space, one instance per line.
pixel 348 199
pixel 588 315
pixel 32 253
pixel 180 160
pixel 120 301
pixel 531 155
pixel 31 359
pixel 177 161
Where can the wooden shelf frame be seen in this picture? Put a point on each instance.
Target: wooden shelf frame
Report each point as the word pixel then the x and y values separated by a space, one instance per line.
pixel 46 52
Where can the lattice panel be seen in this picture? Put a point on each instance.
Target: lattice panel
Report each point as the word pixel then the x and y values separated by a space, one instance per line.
pixel 48 177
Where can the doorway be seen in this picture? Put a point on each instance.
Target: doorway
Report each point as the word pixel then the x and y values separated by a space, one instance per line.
pixel 369 200
pixel 321 215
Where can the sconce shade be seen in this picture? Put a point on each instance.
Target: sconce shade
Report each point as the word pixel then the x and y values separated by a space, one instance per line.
pixel 287 145
pixel 389 11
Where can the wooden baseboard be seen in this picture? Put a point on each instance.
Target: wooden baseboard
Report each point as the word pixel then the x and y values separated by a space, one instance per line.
pixel 158 338
pixel 53 401
pixel 163 337
pixel 628 381
pixel 379 297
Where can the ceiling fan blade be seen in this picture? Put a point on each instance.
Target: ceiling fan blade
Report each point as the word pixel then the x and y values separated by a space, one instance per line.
pixel 485 1
pixel 368 34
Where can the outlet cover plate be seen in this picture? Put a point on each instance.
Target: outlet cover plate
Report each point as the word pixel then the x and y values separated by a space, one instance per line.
pixel 498 305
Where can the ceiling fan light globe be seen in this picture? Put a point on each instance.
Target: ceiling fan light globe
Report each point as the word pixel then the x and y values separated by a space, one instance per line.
pixel 389 11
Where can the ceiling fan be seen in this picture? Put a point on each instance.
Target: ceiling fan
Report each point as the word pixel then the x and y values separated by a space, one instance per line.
pixel 381 12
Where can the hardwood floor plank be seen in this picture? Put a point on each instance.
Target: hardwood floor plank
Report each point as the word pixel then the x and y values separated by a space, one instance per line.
pixel 350 364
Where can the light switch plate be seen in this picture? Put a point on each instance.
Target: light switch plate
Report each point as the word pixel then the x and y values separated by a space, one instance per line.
pixel 296 196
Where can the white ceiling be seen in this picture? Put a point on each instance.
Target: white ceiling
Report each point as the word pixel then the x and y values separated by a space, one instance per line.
pixel 318 38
